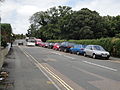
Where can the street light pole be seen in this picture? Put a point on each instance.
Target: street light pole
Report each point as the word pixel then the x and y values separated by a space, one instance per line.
pixel 0 24
pixel 0 32
pixel 0 35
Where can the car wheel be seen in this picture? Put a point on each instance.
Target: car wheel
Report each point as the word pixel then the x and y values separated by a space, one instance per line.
pixel 71 52
pixel 94 56
pixel 59 49
pixel 78 53
pixel 85 55
pixel 65 50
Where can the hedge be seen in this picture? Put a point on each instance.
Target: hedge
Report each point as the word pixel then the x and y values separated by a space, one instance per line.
pixel 110 44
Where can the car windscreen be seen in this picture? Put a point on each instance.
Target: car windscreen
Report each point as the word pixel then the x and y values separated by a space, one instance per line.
pixel 71 44
pixel 79 46
pixel 98 48
pixel 58 43
pixel 30 40
pixel 38 41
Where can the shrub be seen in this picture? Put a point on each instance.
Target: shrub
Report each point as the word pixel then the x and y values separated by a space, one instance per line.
pixel 4 44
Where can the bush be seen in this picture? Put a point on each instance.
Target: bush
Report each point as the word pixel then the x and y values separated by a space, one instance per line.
pixel 4 44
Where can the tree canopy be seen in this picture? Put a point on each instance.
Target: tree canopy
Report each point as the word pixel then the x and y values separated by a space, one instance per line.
pixel 6 33
pixel 63 23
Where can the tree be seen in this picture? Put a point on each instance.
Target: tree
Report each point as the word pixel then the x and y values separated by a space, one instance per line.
pixel 86 33
pixel 39 19
pixel 63 23
pixel 82 18
pixel 50 22
pixel 6 34
pixel 19 36
pixel 112 25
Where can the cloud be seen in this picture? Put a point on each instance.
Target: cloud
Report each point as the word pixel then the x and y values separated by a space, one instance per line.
pixel 104 7
pixel 7 8
pixel 27 10
pixel 17 12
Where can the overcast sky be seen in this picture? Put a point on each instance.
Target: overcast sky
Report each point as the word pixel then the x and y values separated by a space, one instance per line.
pixel 17 12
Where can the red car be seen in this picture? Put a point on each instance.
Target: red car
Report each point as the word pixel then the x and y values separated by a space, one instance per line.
pixel 56 46
pixel 37 41
pixel 42 44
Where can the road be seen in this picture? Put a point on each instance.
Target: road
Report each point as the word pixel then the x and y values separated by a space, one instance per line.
pixel 38 68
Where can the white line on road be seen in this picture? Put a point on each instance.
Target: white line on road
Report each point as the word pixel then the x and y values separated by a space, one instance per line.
pixel 63 55
pixel 56 53
pixel 50 72
pixel 68 57
pixel 100 66
pixel 48 77
pixel 41 69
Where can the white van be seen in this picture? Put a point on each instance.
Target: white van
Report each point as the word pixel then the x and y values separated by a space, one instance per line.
pixel 30 42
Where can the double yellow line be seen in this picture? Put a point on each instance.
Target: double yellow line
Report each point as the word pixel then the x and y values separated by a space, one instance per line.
pixel 62 82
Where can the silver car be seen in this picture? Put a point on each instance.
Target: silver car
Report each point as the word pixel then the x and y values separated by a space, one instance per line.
pixel 95 51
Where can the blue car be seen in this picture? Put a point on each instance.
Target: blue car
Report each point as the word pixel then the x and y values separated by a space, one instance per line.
pixel 78 49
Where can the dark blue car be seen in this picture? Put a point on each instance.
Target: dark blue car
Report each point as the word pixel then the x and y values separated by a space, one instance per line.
pixel 78 49
pixel 65 46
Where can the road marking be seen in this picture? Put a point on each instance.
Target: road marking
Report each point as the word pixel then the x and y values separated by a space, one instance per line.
pixel 49 82
pixel 56 53
pixel 55 77
pixel 48 77
pixel 40 69
pixel 49 59
pixel 52 74
pixel 112 69
pixel 25 54
pixel 63 55
pixel 62 82
pixel 68 57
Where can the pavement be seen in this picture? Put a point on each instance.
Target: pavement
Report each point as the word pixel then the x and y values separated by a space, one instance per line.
pixel 114 58
pixel 8 67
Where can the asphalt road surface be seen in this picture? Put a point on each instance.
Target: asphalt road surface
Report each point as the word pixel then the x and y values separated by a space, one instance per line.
pixel 38 68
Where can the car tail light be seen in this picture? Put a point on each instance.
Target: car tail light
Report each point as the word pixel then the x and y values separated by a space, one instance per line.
pixel 82 49
pixel 68 47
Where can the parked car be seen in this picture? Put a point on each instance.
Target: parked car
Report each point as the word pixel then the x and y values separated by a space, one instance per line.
pixel 30 42
pixel 42 44
pixel 56 46
pixel 46 44
pixel 37 41
pixel 78 49
pixel 50 45
pixel 95 51
pixel 65 46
